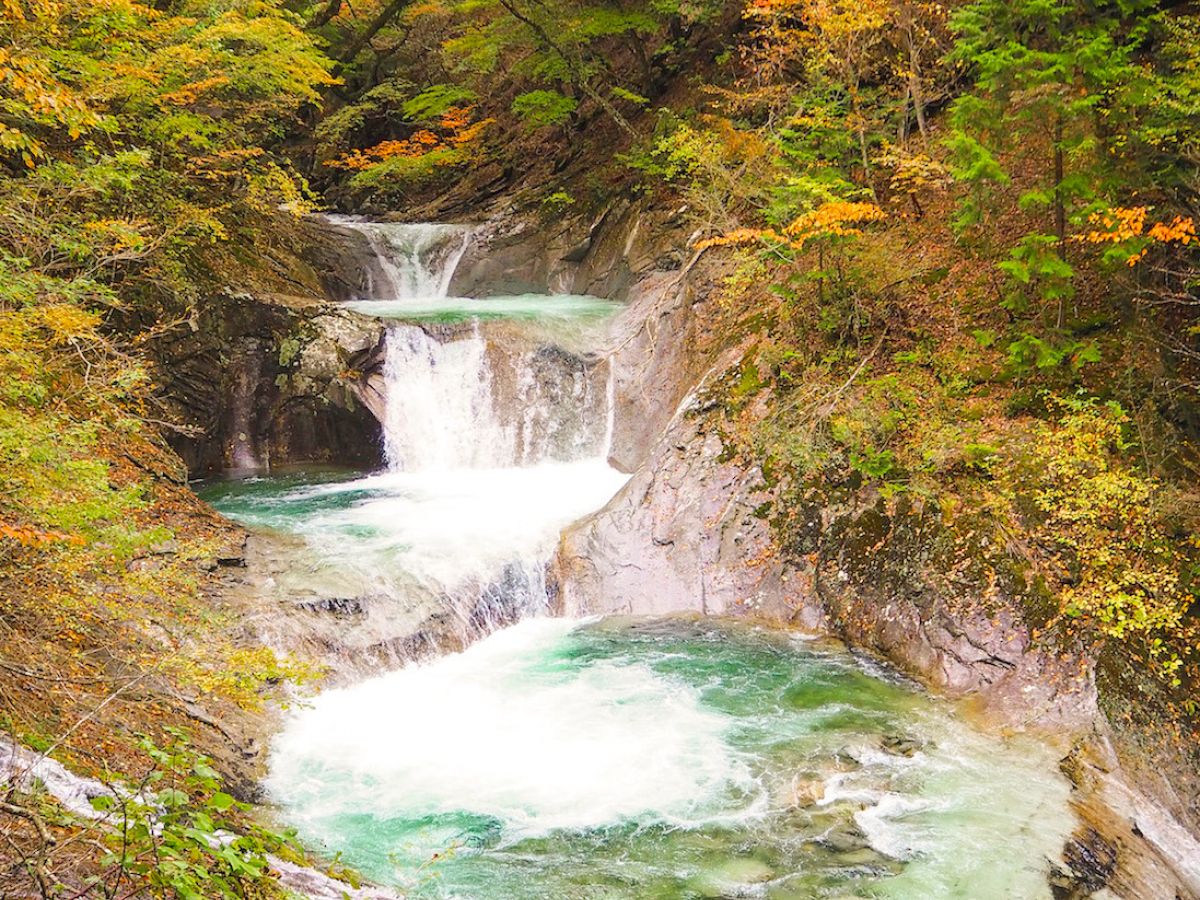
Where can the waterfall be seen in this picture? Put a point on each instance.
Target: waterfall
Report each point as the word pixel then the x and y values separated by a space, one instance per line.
pixel 501 436
pixel 496 428
pixel 471 403
pixel 610 400
pixel 440 409
pixel 416 261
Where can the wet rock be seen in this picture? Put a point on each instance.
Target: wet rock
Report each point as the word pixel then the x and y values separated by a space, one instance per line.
pixel 806 792
pixel 338 606
pixel 845 838
pixel 866 857
pixel 232 556
pixel 1090 863
pixel 257 381
pixel 681 536
pixel 900 745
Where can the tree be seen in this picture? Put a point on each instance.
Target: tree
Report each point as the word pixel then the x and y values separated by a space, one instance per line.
pixel 1062 75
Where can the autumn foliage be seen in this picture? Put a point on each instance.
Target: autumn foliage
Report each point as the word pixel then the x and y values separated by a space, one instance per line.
pixel 829 220
pixel 1126 228
pixel 455 131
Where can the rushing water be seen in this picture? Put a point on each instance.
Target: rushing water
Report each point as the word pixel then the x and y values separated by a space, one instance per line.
pixel 415 261
pixel 559 759
pixel 598 759
pixel 495 438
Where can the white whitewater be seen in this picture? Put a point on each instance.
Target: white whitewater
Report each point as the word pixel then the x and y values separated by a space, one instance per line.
pixel 467 403
pixel 536 750
pixel 441 411
pixel 416 260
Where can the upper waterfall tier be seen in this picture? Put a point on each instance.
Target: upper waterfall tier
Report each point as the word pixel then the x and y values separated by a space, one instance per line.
pixel 416 261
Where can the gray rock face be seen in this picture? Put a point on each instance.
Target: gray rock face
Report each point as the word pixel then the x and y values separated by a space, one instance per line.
pixel 1127 842
pixel 654 361
pixel 600 255
pixel 625 253
pixel 260 381
pixel 683 535
pixel 341 258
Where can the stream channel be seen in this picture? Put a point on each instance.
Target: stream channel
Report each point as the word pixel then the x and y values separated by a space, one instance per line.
pixel 598 758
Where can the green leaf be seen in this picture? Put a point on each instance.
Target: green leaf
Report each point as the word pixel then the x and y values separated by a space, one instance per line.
pixel 436 100
pixel 542 108
pixel 172 797
pixel 221 801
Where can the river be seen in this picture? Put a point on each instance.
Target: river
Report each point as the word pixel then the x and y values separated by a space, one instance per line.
pixel 600 758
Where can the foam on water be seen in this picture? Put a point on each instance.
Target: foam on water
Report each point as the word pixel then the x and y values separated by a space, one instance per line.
pixel 543 756
pixel 534 746
pixel 462 403
pixel 416 260
pixel 443 528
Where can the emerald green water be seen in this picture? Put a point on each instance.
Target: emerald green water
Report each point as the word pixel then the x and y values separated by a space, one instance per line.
pixel 660 759
pixel 522 307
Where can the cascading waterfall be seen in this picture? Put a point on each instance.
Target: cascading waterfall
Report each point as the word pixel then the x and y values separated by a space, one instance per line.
pixel 461 401
pixel 441 412
pixel 467 403
pixel 495 438
pixel 566 758
pixel 415 260
pixel 496 414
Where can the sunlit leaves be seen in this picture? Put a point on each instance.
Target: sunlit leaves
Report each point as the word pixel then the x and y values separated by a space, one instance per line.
pixel 450 142
pixel 1100 512
pixel 1125 233
pixel 435 101
pixel 836 219
pixel 540 108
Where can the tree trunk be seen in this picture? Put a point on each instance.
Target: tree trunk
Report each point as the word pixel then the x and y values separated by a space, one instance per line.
pixel 918 99
pixel 914 86
pixel 1060 212
pixel 325 15
pixel 377 24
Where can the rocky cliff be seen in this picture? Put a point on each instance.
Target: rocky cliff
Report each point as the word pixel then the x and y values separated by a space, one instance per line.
pixel 699 528
pixel 256 380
